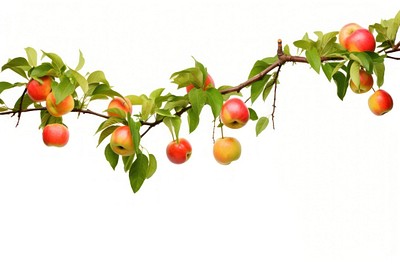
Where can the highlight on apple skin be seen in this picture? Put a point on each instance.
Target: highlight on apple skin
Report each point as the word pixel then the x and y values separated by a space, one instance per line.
pixel 226 150
pixel 123 104
pixel 121 141
pixel 55 134
pixel 179 151
pixel 234 113
pixel 380 102
pixel 208 83
pixel 38 91
pixel 60 109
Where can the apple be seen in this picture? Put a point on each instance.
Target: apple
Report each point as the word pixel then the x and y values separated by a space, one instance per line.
pixel 55 134
pixel 234 113
pixel 38 91
pixel 60 109
pixel 226 150
pixel 123 104
pixel 208 83
pixel 179 151
pixel 380 102
pixel 366 83
pixel 356 39
pixel 121 141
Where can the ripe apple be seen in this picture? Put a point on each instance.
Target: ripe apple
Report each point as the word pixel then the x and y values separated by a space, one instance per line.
pixel 234 113
pixel 356 39
pixel 60 109
pixel 208 83
pixel 123 104
pixel 380 102
pixel 366 83
pixel 121 141
pixel 179 151
pixel 226 150
pixel 55 134
pixel 38 91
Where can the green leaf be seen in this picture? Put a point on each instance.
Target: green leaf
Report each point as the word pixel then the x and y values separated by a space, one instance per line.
pixel 303 44
pixel 138 172
pixel 81 61
pixel 258 66
pixel 258 87
pixel 63 89
pixel 56 60
pixel 127 161
pixel 193 120
pixel 314 59
pixel 197 98
pixel 111 156
pixel 152 166
pixel 253 114
pixel 147 108
pixel 108 122
pixel 164 112
pixel 364 59
pixel 174 125
pixel 341 84
pixel 188 76
pixel 26 102
pixel 20 62
pixel 97 77
pixel 355 73
pixel 156 93
pixel 135 132
pixel 32 56
pixel 261 125
pixel 215 100
pixel 83 83
pixel 106 132
pixel 379 70
pixel 42 70
pixel 7 85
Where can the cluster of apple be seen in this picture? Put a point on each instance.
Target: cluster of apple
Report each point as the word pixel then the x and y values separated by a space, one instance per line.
pixel 355 38
pixel 39 90
pixel 234 114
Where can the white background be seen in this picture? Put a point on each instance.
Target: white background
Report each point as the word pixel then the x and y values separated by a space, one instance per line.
pixel 320 190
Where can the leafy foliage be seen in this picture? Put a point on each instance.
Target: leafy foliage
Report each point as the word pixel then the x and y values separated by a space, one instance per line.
pixel 321 52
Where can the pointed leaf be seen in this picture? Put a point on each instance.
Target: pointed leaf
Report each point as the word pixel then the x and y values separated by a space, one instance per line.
pixel 355 73
pixel 341 84
pixel 81 61
pixel 379 70
pixel 261 125
pixel 215 100
pixel 97 77
pixel 152 166
pixel 32 56
pixel 193 120
pixel 314 59
pixel 197 98
pixel 106 132
pixel 111 156
pixel 83 83
pixel 138 172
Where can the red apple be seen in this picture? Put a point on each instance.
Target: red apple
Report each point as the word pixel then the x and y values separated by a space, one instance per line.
pixel 121 141
pixel 55 134
pixel 226 150
pixel 60 109
pixel 380 102
pixel 38 91
pixel 123 104
pixel 208 83
pixel 366 83
pixel 356 39
pixel 234 113
pixel 179 151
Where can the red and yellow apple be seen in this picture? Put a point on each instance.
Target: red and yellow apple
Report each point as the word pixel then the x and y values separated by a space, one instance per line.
pixel 60 109
pixel 380 102
pixel 355 38
pixel 121 141
pixel 39 90
pixel 208 83
pixel 226 150
pixel 366 83
pixel 234 113
pixel 123 104
pixel 179 151
pixel 55 134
